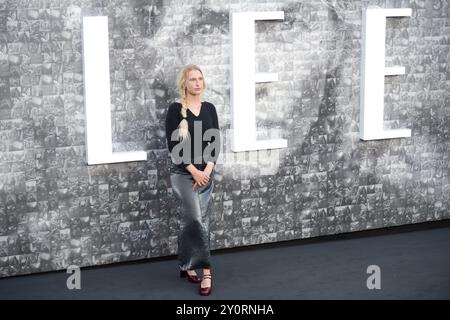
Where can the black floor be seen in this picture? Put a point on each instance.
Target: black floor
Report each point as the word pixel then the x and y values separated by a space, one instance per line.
pixel 414 264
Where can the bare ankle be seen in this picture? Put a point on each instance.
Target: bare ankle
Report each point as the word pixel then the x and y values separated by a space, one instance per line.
pixel 206 272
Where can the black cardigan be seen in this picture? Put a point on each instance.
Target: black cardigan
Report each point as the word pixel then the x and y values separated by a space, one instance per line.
pixel 208 119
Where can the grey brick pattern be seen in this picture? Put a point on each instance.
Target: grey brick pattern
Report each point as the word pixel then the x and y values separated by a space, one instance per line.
pixel 56 211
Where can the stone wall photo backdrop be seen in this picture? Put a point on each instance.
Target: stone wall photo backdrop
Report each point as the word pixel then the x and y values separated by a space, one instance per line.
pixel 56 211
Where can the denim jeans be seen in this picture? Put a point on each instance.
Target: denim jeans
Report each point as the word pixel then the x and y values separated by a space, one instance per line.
pixel 195 209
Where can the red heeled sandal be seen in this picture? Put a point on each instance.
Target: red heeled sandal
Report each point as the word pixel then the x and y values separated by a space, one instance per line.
pixel 193 279
pixel 207 290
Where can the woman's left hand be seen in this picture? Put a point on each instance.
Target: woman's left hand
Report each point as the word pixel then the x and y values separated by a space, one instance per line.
pixel 207 171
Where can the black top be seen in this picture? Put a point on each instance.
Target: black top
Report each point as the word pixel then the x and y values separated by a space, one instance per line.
pixel 208 119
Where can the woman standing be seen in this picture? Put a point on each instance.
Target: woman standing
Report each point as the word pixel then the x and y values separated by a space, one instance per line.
pixel 192 123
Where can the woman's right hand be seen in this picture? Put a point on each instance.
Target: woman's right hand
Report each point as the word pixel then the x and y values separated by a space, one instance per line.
pixel 200 177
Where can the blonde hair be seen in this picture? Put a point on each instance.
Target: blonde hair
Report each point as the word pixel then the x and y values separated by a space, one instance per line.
pixel 181 84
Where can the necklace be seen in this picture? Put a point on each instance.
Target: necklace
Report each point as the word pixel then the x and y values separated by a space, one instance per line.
pixel 194 106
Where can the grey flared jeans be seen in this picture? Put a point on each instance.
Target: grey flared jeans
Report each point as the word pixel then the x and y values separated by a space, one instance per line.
pixel 193 217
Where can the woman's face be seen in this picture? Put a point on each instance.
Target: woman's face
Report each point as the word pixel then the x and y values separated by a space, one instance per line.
pixel 194 82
